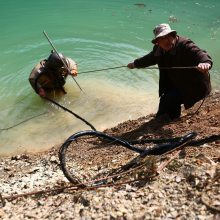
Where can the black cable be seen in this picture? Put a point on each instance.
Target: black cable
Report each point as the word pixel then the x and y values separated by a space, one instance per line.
pixel 28 119
pixel 168 146
pixel 197 142
pixel 155 141
pixel 215 137
pixel 110 68
pixel 17 102
pixel 66 109
pixel 153 67
pixel 157 150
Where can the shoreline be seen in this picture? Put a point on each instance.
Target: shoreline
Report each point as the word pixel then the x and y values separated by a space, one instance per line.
pixel 177 191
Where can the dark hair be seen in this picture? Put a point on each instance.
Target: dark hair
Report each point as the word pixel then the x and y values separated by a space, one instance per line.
pixel 55 61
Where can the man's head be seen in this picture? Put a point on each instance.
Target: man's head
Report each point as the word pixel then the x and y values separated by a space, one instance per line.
pixel 164 36
pixel 55 61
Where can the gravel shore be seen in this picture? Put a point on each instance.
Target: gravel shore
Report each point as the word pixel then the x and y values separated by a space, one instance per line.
pixel 184 184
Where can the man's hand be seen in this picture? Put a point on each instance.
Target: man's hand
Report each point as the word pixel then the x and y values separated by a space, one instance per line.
pixel 131 66
pixel 41 93
pixel 203 67
pixel 74 72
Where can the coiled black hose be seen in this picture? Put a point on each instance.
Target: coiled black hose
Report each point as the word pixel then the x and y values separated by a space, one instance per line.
pixel 157 150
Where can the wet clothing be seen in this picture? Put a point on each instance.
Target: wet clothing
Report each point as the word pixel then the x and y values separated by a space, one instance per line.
pixel 48 78
pixel 191 85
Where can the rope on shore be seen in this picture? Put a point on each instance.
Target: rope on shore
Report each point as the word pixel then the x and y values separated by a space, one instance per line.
pixel 83 187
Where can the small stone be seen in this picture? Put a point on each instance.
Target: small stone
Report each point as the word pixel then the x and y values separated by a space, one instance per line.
pixel 128 188
pixel 7 168
pixel 178 179
pixel 53 159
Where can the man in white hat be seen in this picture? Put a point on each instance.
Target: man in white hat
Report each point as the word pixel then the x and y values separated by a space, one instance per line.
pixel 184 70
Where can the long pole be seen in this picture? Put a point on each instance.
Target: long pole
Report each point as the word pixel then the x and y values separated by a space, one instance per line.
pixel 61 59
pixel 153 67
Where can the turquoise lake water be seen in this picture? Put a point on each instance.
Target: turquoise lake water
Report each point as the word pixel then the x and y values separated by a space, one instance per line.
pixel 96 34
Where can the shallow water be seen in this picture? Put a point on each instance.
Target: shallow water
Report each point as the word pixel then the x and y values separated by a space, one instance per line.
pixel 101 34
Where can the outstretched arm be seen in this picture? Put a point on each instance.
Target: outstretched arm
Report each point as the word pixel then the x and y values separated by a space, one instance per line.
pixel 145 61
pixel 72 66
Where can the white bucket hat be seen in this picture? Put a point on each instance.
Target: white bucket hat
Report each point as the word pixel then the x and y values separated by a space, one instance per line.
pixel 162 30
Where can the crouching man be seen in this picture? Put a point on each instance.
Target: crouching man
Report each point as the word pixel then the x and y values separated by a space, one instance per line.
pixel 51 73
